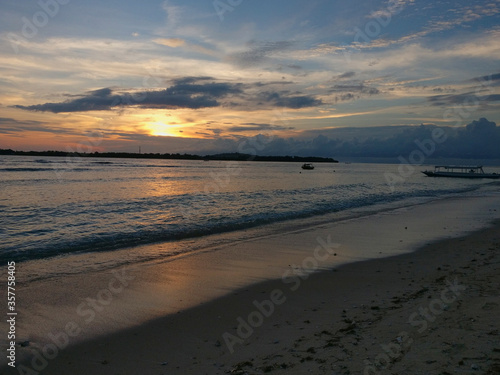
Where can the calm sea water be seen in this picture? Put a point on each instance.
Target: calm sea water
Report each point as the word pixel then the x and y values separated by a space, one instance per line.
pixel 59 207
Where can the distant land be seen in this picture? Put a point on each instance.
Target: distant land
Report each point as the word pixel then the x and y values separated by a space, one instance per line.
pixel 233 156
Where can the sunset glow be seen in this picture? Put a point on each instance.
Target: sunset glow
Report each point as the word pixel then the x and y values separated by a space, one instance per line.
pixel 162 129
pixel 191 70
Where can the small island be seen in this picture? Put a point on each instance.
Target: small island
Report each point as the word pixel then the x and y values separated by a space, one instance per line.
pixel 233 156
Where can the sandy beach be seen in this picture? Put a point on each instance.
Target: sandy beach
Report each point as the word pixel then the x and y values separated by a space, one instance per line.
pixel 432 311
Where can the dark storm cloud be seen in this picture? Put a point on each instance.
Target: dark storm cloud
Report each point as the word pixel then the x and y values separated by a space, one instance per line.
pixel 479 139
pixel 185 93
pixel 98 100
pixel 188 86
pixel 101 93
pixel 283 100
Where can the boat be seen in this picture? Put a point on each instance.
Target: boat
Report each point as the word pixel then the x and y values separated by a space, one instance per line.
pixel 307 166
pixel 461 171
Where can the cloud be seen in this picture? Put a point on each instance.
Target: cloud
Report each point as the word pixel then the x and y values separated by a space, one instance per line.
pixel 460 16
pixel 258 52
pixel 97 100
pixel 185 93
pixel 173 14
pixel 345 75
pixel 187 87
pixel 392 8
pixel 481 126
pixel 491 79
pixel 191 79
pixel 479 139
pixel 319 50
pixel 465 99
pixel 262 84
pixel 178 42
pixel 202 50
pixel 294 102
pixel 170 42
pixel 355 88
pixel 191 92
pixel 101 93
pixel 352 91
pixel 256 127
pixel 13 126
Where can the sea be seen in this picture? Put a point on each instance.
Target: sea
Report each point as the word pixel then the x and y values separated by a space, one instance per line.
pixel 58 207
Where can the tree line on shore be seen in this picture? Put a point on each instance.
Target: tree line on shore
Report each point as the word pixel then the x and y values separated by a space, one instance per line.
pixel 234 156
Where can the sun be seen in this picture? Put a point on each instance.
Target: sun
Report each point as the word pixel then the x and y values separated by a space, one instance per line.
pixel 159 128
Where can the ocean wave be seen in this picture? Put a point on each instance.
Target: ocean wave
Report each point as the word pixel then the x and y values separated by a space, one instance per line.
pixel 163 219
pixel 25 169
pixel 31 169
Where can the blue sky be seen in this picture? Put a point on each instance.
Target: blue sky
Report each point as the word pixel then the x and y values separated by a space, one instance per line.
pixel 196 75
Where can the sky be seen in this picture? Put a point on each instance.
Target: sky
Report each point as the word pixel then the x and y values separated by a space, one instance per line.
pixel 203 76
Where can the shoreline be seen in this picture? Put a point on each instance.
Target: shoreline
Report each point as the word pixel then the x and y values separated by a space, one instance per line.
pixel 351 318
pixel 224 276
pixel 234 156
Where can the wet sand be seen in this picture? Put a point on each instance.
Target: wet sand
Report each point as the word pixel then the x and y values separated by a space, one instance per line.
pixel 429 311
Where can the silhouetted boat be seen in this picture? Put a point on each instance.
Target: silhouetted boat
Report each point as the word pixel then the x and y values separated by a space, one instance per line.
pixel 461 171
pixel 307 166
